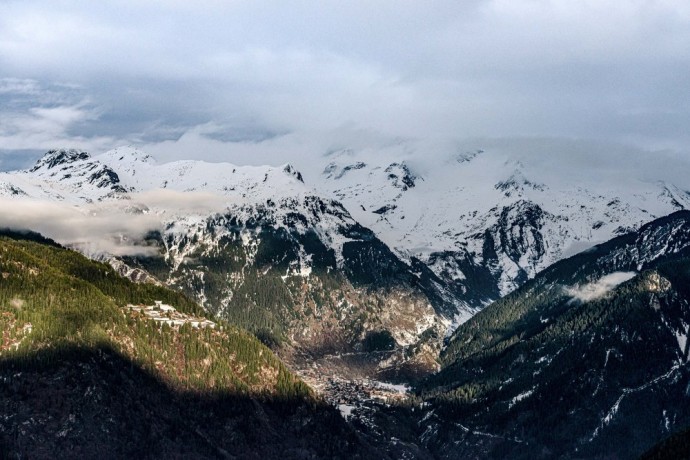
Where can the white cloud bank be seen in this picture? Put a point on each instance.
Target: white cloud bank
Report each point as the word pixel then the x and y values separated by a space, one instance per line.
pixel 599 288
pixel 111 228
pixel 114 227
pixel 172 202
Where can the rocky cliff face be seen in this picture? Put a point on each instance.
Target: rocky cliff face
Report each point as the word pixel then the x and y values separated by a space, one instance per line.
pixel 272 273
pixel 486 221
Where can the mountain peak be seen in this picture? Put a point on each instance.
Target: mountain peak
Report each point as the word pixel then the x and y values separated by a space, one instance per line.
pixel 289 169
pixel 128 154
pixel 465 157
pixel 400 176
pixel 57 157
pixel 517 183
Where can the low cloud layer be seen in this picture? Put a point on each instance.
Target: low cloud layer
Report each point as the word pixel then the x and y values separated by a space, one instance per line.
pixel 112 227
pixel 600 288
pixel 95 229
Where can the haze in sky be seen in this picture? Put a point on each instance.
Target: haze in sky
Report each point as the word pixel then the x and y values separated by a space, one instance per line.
pixel 257 82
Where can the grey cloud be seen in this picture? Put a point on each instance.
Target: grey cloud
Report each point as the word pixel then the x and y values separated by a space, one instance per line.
pixel 12 160
pixel 95 229
pixel 150 72
pixel 111 227
pixel 34 116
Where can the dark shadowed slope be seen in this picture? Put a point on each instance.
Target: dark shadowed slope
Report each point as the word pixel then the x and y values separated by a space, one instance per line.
pixel 83 376
pixel 588 360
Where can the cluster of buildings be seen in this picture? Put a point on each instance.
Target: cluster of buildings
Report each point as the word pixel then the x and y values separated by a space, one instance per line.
pixel 166 314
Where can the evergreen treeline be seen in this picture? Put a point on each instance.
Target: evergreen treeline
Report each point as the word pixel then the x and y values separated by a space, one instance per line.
pixel 248 286
pixel 547 369
pixel 53 299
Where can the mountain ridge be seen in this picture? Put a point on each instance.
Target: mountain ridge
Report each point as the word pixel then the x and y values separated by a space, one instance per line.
pixel 588 359
pixel 502 212
pixel 254 245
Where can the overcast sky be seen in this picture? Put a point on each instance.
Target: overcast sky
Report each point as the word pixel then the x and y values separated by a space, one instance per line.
pixel 197 79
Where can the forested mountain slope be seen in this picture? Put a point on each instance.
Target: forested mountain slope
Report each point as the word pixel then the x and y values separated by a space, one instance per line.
pixel 81 374
pixel 588 360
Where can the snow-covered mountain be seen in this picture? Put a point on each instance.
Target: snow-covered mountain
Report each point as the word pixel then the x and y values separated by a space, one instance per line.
pixel 77 177
pixel 252 244
pixel 357 268
pixel 485 221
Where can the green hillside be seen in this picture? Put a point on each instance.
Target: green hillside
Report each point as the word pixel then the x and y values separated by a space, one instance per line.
pixel 84 376
pixel 52 298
